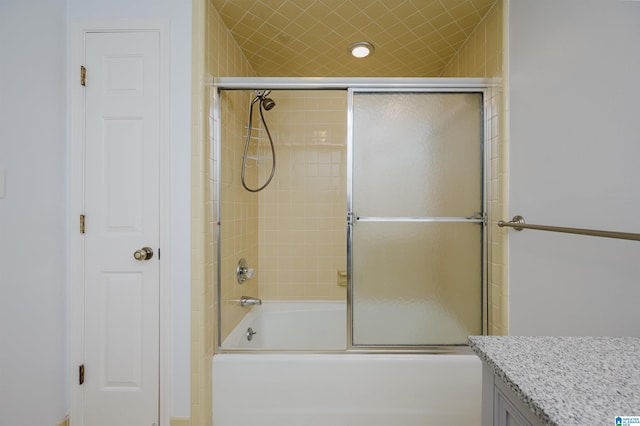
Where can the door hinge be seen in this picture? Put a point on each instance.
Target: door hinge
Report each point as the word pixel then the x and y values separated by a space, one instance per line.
pixel 81 374
pixel 83 75
pixel 82 224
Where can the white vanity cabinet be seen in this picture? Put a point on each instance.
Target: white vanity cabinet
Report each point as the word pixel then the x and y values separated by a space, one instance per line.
pixel 558 380
pixel 501 406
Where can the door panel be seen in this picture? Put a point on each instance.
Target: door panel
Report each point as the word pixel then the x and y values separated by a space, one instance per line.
pixel 417 154
pixel 121 295
pixel 123 173
pixel 122 129
pixel 417 227
pixel 417 283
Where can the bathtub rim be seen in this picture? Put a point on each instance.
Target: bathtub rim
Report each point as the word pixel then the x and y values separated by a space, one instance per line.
pixel 392 350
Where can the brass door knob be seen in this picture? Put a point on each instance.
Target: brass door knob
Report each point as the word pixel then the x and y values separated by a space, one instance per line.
pixel 145 253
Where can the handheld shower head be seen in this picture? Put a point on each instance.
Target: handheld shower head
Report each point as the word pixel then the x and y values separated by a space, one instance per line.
pixel 268 103
pixel 265 104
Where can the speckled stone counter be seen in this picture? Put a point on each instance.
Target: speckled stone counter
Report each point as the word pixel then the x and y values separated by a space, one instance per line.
pixel 568 380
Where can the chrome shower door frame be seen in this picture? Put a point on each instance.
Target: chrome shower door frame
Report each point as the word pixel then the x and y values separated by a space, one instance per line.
pixel 358 85
pixel 435 86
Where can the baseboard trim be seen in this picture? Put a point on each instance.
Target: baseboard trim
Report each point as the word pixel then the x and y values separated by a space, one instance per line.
pixel 175 421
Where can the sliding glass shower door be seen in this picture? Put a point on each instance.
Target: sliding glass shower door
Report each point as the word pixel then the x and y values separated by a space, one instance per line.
pixel 416 218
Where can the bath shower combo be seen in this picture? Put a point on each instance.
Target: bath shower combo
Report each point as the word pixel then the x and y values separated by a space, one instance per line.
pixel 391 348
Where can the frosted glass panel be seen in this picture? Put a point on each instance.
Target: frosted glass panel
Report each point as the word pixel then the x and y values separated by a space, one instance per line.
pixel 416 283
pixel 416 264
pixel 417 154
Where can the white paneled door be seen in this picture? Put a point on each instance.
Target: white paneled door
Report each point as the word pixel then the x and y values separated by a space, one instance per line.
pixel 122 228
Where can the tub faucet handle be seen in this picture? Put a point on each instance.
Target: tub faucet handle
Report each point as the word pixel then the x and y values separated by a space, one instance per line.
pixel 243 272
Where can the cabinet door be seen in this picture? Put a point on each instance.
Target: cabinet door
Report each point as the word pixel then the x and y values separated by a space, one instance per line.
pixel 505 413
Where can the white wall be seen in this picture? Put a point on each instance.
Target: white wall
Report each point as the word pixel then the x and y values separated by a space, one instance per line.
pixel 33 243
pixel 574 161
pixel 34 353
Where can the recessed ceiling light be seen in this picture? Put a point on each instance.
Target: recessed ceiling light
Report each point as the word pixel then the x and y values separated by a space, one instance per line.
pixel 361 49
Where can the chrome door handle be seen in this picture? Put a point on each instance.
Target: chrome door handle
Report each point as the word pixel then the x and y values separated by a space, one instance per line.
pixel 145 253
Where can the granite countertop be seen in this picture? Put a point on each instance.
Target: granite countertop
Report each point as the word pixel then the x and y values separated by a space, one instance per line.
pixel 568 380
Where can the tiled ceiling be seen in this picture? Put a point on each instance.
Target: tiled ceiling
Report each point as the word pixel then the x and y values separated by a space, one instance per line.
pixel 309 38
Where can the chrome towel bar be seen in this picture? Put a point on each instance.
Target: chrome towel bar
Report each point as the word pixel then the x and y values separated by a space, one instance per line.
pixel 519 224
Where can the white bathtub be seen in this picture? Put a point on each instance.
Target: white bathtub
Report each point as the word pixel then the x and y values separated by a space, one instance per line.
pixel 343 389
pixel 292 325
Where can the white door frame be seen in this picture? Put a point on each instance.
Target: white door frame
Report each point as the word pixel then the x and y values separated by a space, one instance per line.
pixel 76 42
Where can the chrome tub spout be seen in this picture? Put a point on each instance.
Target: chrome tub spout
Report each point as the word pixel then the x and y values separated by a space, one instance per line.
pixel 250 301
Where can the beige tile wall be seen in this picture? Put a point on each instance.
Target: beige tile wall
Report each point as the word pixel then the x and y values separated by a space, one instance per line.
pixel 198 303
pixel 482 55
pixel 215 53
pixel 239 210
pixel 303 210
